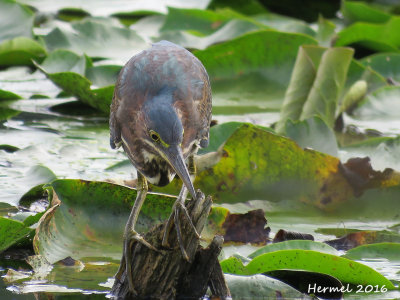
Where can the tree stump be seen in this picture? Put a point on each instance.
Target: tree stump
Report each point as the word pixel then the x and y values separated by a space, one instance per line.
pixel 168 275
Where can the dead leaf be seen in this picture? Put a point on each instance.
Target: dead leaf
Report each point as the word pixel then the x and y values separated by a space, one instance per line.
pixel 246 228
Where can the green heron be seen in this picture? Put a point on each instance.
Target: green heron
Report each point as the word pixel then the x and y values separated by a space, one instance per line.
pixel 160 114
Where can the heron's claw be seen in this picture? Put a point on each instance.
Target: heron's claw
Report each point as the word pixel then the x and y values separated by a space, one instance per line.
pixel 182 207
pixel 131 237
pixel 174 218
pixel 134 236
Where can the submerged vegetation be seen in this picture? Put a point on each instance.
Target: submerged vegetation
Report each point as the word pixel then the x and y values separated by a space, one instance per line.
pixel 308 108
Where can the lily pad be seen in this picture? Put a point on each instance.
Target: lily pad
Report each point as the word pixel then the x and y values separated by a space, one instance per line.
pixel 383 37
pixel 228 31
pixel 248 7
pixel 35 175
pixel 313 91
pixel 256 286
pixel 302 79
pixel 285 24
pixel 355 11
pixel 87 219
pixel 20 51
pixel 326 32
pixel 295 244
pixel 328 85
pixel 7 113
pixel 104 75
pixel 388 251
pixel 257 164
pixel 10 11
pixel 12 232
pixel 318 284
pixel 386 64
pixel 347 271
pixel 66 70
pixel 251 71
pixel 196 28
pixel 204 22
pixel 65 61
pixel 358 238
pixel 7 95
pixel 97 40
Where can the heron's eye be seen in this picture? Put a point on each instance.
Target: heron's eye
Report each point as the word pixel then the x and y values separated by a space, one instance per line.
pixel 154 136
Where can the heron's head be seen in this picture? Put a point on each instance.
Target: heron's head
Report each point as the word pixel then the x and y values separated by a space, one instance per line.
pixel 165 134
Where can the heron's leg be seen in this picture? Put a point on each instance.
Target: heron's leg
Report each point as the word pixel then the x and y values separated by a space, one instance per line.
pixel 130 235
pixel 179 206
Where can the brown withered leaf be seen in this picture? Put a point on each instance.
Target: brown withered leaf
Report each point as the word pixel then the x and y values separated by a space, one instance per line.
pixel 246 228
pixel 355 239
pixel 361 176
pixel 284 235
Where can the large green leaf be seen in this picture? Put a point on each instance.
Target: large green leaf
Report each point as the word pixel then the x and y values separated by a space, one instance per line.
pixel 247 7
pixel 104 75
pixel 203 22
pixel 328 85
pixel 295 244
pixel 388 251
pixel 285 24
pixel 228 31
pixel 90 219
pixel 378 37
pixel 64 61
pixel 20 51
pixel 314 88
pixel 97 39
pixel 257 164
pixel 7 95
pixel 386 64
pixel 30 177
pixel 251 72
pixel 16 20
pixel 12 232
pixel 345 270
pixel 87 219
pixel 301 82
pixel 79 86
pixel 326 32
pixel 261 287
pixel 355 11
pixel 224 24
pixel 359 72
pixel 67 70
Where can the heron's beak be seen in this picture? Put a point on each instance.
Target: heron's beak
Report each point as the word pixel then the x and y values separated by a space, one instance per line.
pixel 175 159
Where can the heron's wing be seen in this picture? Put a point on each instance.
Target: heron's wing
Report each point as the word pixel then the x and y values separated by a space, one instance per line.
pixel 115 130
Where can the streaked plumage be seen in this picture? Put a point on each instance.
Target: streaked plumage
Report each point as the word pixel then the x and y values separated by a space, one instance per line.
pixel 165 80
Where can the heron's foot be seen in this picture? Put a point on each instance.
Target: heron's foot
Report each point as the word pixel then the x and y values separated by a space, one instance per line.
pixel 181 207
pixel 174 218
pixel 129 238
pixel 134 236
